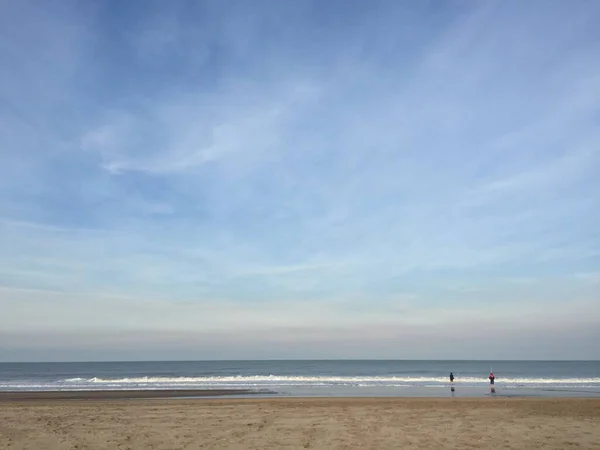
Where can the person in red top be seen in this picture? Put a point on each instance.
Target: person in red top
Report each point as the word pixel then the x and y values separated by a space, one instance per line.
pixel 492 378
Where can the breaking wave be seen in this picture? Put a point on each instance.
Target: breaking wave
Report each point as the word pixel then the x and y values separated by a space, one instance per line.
pixel 277 380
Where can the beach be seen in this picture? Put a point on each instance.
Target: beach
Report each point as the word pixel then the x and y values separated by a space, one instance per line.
pixel 317 423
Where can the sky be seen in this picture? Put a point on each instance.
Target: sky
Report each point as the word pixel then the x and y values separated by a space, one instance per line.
pixel 307 179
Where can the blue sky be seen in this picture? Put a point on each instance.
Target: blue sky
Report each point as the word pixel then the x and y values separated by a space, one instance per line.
pixel 192 180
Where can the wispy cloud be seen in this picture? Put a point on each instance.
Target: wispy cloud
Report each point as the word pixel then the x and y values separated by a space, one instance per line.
pixel 180 134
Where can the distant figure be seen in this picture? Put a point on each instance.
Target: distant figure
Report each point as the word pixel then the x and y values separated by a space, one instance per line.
pixel 451 377
pixel 492 378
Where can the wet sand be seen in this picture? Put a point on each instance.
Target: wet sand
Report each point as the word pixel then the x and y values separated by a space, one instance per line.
pixel 118 395
pixel 318 423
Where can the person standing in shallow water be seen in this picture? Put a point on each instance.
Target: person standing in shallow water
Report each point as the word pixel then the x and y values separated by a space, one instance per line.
pixel 451 377
pixel 492 378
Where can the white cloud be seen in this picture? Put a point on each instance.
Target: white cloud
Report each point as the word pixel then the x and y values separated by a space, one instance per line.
pixel 187 131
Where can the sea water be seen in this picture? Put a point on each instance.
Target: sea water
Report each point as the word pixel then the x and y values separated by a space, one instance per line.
pixel 314 378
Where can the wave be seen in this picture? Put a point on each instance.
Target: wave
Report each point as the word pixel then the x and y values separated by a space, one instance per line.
pixel 279 383
pixel 280 380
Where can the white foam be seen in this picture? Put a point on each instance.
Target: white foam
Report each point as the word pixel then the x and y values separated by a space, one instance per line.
pixel 275 382
pixel 328 380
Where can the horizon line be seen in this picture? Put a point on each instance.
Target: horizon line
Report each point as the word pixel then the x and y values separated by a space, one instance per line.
pixel 296 360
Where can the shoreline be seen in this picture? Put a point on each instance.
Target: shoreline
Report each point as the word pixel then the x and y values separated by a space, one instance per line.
pixel 36 396
pixel 341 393
pixel 170 395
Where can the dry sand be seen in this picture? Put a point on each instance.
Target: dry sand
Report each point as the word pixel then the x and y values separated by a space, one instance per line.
pixel 398 423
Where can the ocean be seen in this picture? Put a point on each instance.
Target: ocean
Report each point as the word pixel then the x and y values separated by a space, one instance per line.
pixel 314 378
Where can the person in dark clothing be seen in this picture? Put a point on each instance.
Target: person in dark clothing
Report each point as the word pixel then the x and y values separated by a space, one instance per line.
pixel 492 378
pixel 451 377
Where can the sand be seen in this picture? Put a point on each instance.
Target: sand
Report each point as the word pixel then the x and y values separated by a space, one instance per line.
pixel 231 423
